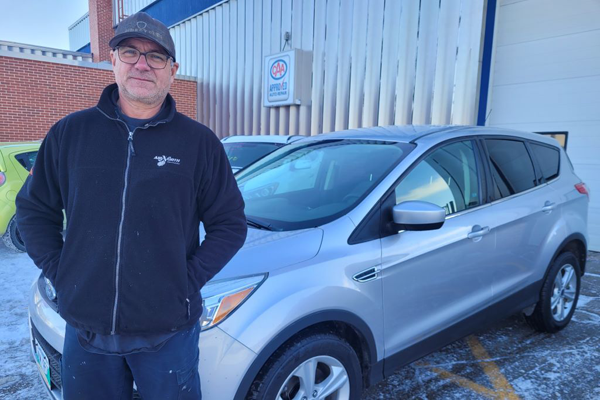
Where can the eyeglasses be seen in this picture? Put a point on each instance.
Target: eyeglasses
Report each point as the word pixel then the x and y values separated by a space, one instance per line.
pixel 154 59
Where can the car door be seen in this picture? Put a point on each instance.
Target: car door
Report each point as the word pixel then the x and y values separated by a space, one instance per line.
pixel 527 213
pixel 434 279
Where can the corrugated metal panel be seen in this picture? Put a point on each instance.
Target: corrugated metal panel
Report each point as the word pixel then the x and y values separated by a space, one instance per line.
pixel 132 6
pixel 79 33
pixel 256 38
pixel 374 62
pixel 129 7
pixel 358 62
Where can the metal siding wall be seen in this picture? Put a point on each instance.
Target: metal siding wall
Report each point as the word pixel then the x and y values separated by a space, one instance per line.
pixel 344 62
pixel 375 62
pixel 249 71
pixel 256 29
pixel 330 79
pixel 373 65
pixel 316 125
pixel 389 62
pixel 308 20
pixel 79 33
pixel 426 51
pixel 286 26
pixel 358 63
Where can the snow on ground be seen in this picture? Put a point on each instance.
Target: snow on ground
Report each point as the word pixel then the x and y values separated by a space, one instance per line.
pixel 536 366
pixel 18 372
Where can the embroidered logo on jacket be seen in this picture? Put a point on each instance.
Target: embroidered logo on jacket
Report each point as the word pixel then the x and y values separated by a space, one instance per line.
pixel 162 160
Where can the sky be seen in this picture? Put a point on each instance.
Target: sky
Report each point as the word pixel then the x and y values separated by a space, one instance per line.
pixel 40 22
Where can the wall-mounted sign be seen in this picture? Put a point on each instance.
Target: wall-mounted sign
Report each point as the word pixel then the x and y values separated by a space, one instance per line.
pixel 287 78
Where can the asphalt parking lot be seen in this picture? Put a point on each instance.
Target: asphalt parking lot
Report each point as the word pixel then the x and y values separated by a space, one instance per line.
pixel 511 361
pixel 507 361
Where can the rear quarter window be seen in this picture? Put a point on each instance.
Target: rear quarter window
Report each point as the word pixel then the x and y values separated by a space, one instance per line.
pixel 26 159
pixel 548 158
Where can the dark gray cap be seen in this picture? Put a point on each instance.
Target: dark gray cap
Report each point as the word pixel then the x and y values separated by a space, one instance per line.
pixel 141 25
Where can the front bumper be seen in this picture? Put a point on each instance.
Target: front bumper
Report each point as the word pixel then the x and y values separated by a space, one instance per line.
pixel 223 360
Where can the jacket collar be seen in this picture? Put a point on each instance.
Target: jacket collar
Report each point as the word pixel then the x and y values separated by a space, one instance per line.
pixel 108 106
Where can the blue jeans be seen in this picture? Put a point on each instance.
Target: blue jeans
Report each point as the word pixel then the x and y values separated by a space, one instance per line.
pixel 170 373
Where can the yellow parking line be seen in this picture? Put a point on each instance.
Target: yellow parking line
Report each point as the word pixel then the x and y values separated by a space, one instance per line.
pixel 503 389
pixel 465 383
pixel 491 369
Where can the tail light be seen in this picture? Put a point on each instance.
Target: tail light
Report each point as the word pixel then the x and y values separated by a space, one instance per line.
pixel 2 178
pixel 581 188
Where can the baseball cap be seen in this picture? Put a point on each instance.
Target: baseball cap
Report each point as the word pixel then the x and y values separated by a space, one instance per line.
pixel 142 25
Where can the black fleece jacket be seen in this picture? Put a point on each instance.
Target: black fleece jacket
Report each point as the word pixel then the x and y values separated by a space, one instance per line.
pixel 131 261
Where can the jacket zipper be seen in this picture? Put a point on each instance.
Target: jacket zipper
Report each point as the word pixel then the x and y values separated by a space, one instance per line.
pixel 130 152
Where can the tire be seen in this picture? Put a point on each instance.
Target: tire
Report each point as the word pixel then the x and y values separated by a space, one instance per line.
pixel 12 237
pixel 328 361
pixel 559 295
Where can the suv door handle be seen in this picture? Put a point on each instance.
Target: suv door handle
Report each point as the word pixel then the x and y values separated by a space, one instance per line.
pixel 478 232
pixel 548 207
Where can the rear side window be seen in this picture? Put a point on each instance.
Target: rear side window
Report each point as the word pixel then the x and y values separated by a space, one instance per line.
pixel 26 159
pixel 512 168
pixel 548 159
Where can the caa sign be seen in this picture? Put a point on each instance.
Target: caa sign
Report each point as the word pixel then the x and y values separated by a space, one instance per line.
pixel 278 78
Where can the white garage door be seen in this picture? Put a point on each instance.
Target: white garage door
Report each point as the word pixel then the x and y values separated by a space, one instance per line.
pixel 546 78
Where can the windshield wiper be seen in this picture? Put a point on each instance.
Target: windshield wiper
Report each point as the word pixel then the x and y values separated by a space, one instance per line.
pixel 258 225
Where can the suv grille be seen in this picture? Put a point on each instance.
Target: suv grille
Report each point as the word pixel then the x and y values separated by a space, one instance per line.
pixel 54 358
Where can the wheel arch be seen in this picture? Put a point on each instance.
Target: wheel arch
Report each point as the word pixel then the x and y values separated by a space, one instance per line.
pixel 576 244
pixel 341 323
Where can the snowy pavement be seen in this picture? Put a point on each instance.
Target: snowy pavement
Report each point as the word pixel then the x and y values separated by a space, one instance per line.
pixel 508 361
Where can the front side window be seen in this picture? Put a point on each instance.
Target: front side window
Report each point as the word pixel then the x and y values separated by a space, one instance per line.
pixel 511 166
pixel 448 177
pixel 311 183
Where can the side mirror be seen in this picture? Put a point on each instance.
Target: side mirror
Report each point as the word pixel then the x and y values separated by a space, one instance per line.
pixel 418 216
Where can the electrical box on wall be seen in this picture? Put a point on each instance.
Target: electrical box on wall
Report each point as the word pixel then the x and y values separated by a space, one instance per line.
pixel 288 78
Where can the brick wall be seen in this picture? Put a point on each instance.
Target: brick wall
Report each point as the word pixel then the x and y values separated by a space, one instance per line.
pixel 36 94
pixel 101 30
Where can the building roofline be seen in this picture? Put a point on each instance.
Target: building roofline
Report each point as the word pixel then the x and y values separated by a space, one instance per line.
pixel 84 16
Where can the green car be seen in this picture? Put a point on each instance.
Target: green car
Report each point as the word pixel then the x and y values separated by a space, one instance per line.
pixel 16 160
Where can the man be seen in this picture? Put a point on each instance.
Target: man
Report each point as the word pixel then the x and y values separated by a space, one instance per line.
pixel 135 178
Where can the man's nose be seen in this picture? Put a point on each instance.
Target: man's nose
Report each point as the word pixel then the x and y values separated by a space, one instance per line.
pixel 142 63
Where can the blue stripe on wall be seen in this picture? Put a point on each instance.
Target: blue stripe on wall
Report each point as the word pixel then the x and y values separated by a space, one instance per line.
pixel 486 64
pixel 170 12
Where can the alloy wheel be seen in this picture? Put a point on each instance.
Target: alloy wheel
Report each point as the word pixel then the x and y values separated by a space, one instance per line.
pixel 564 290
pixel 318 378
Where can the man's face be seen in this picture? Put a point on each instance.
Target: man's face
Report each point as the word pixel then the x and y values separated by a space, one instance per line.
pixel 138 82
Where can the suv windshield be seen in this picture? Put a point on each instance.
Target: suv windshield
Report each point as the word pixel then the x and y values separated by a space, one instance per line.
pixel 312 183
pixel 241 155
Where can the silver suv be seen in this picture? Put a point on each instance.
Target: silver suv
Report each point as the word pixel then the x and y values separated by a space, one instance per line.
pixel 371 248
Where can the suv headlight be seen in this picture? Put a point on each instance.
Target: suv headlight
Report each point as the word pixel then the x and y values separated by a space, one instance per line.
pixel 222 298
pixel 50 291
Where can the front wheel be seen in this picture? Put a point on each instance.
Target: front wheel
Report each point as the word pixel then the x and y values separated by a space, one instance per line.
pixel 317 367
pixel 559 295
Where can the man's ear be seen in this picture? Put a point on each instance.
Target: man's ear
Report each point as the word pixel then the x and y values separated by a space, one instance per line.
pixel 174 68
pixel 113 58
